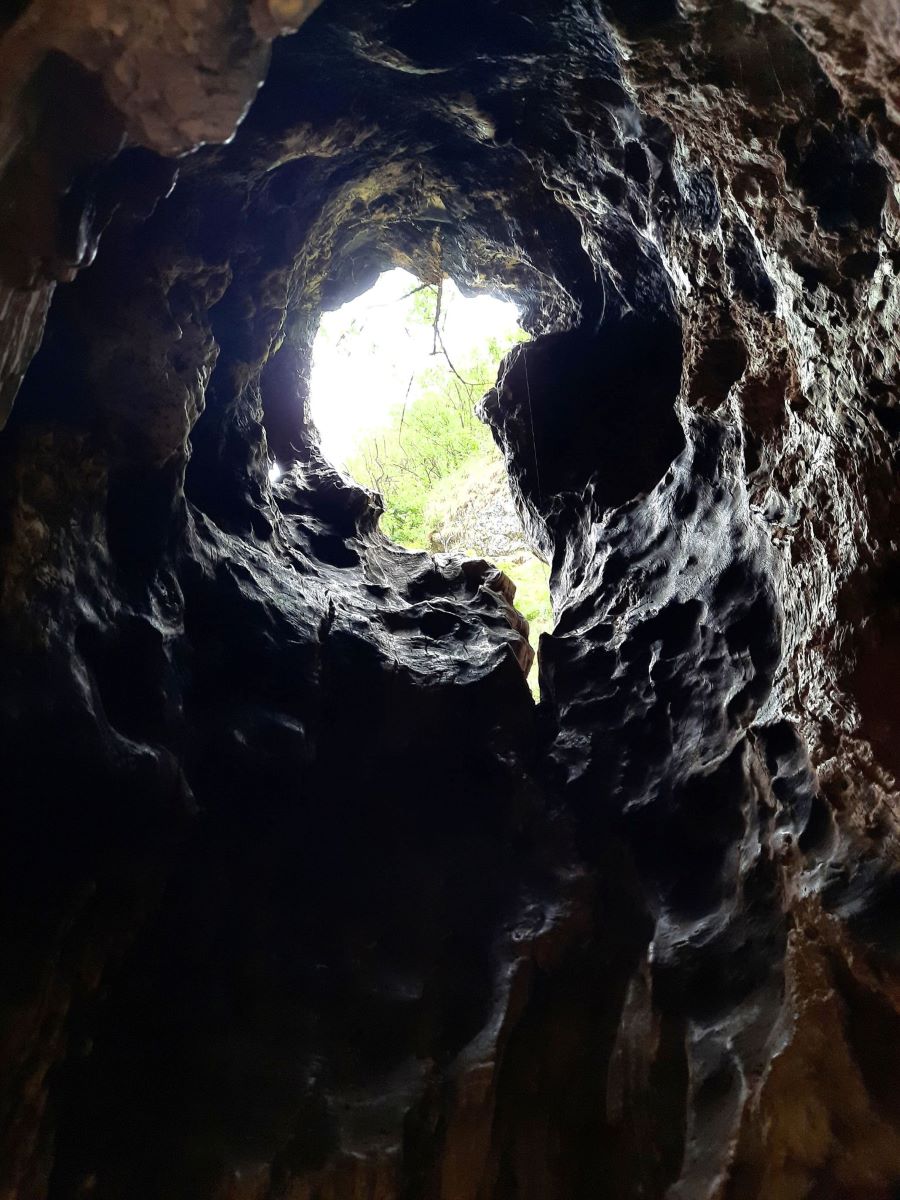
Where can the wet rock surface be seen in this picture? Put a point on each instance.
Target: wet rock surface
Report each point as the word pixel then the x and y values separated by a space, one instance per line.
pixel 302 896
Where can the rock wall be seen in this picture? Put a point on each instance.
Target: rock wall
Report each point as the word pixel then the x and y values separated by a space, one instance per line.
pixel 475 512
pixel 302 896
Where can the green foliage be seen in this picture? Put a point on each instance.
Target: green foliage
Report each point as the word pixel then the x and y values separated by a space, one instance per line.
pixel 532 579
pixel 425 441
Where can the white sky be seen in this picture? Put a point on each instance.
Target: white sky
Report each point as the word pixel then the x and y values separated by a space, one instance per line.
pixel 356 381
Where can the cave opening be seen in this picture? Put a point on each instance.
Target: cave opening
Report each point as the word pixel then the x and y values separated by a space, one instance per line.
pixel 302 896
pixel 397 377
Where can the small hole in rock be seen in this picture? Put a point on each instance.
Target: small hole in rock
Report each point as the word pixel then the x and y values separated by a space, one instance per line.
pixel 396 376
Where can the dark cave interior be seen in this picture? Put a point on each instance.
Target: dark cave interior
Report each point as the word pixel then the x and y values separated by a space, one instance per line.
pixel 302 895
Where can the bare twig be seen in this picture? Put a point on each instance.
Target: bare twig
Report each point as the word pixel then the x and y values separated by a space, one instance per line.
pixel 772 65
pixel 464 382
pixel 437 314
pixel 403 411
pixel 390 303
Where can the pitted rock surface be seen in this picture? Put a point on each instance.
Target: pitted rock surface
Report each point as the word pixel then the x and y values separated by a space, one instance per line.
pixel 302 895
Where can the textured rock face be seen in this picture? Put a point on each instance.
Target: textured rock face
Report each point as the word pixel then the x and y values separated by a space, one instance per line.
pixel 480 511
pixel 301 895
